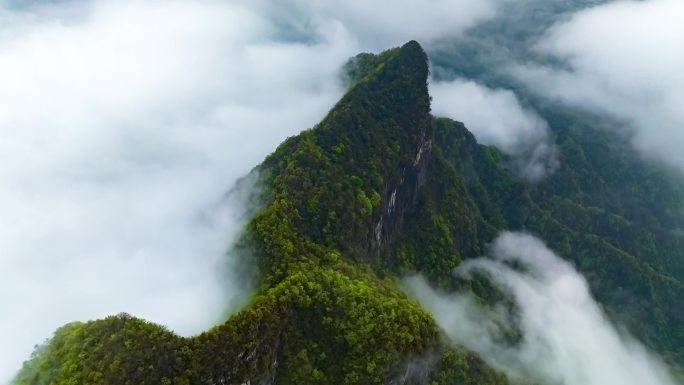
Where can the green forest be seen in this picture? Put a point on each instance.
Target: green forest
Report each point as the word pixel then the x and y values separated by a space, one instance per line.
pixel 380 189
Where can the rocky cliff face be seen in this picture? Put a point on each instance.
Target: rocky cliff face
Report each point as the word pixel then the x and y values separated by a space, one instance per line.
pixel 339 202
pixel 378 189
pixel 402 199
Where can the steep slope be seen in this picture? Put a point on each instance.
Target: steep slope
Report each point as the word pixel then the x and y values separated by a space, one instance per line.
pixel 379 189
pixel 335 205
pixel 615 216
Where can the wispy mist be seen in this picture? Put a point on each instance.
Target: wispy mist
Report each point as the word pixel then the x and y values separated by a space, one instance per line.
pixel 566 337
pixel 625 59
pixel 379 24
pixel 496 117
pixel 122 125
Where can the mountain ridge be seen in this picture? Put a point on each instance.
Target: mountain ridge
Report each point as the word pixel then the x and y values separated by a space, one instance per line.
pixel 326 309
pixel 378 189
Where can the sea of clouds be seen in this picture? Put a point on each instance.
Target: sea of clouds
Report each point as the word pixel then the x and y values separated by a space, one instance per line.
pixel 124 123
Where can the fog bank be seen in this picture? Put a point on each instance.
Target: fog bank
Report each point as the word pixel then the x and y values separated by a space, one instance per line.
pixel 497 117
pixel 122 125
pixel 623 59
pixel 566 337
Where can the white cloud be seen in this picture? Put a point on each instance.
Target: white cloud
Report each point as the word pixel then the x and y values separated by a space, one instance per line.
pixel 121 126
pixel 624 59
pixel 566 337
pixel 496 117
pixel 383 23
pixel 123 123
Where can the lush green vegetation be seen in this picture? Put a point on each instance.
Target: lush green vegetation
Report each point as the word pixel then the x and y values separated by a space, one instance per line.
pixel 618 216
pixel 327 310
pixel 610 212
pixel 377 189
pixel 102 352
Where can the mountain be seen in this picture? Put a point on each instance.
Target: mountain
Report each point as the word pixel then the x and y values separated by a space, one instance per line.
pixel 327 309
pixel 379 189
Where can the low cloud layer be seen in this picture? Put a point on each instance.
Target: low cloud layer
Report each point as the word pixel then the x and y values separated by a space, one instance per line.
pixel 382 23
pixel 496 117
pixel 566 337
pixel 624 59
pixel 122 124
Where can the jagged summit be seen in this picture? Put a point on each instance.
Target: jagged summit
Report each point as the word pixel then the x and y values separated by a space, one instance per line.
pixel 365 63
pixel 378 189
pixel 372 142
pixel 336 199
pixel 391 85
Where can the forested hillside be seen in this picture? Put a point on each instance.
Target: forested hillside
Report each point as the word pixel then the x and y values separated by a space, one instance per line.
pixel 379 189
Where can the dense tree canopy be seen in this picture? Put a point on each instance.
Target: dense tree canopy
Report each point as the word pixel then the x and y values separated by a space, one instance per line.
pixel 378 189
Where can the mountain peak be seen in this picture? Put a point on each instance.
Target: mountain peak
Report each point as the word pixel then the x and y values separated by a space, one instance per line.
pixel 375 140
pixel 335 202
pixel 365 64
